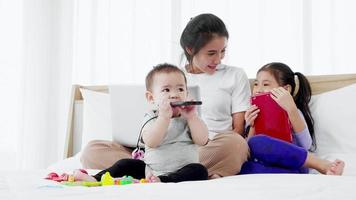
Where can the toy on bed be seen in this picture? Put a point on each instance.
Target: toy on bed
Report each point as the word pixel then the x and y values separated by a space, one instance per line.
pixel 106 179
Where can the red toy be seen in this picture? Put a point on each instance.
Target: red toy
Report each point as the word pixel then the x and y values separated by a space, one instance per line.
pixel 63 177
pixel 272 120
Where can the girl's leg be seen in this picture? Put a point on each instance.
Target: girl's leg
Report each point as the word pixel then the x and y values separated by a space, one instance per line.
pixel 325 166
pixel 190 172
pixel 275 152
pixel 251 167
pixel 128 167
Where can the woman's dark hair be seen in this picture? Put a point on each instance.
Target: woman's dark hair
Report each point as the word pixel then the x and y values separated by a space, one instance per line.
pixel 285 76
pixel 199 31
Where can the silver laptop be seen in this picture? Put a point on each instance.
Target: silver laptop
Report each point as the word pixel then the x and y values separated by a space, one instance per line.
pixel 128 106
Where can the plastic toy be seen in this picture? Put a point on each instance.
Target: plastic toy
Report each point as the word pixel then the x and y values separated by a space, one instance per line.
pixel 82 183
pixel 55 177
pixel 106 179
pixel 138 154
pixel 63 177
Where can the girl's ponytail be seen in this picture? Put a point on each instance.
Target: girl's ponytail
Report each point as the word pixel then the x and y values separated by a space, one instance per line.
pixel 302 99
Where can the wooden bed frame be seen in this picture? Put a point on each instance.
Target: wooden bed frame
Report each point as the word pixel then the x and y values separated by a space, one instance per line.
pixel 319 83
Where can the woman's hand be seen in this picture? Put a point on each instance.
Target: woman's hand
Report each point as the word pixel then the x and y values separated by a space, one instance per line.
pixel 284 99
pixel 251 114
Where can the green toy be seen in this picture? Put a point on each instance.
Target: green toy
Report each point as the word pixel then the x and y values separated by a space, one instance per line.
pixel 106 179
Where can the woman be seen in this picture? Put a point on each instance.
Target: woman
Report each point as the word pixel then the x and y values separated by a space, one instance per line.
pixel 225 93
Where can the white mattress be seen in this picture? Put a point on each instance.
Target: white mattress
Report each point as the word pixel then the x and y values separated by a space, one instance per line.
pixel 31 185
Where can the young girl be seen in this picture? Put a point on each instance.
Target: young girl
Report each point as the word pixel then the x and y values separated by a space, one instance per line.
pixel 225 91
pixel 270 155
pixel 170 134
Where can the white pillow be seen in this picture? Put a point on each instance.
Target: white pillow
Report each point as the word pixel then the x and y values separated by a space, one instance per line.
pixel 334 114
pixel 96 116
pixel 68 164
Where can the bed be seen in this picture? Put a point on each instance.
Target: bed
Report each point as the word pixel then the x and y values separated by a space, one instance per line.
pixel 332 107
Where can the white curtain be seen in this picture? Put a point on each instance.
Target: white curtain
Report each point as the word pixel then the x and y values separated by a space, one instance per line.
pixel 10 84
pixel 118 41
pixel 36 74
pixel 46 46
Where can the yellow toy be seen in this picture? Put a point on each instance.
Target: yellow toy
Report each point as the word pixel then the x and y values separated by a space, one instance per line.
pixel 106 179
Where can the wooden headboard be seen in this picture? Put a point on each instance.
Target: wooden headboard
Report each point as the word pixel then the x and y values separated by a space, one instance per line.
pixel 319 84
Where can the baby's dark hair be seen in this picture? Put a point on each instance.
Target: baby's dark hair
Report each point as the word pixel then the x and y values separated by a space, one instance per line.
pixel 199 31
pixel 162 68
pixel 285 76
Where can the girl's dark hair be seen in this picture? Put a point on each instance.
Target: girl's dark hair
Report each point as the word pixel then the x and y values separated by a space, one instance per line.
pixel 162 68
pixel 285 76
pixel 199 31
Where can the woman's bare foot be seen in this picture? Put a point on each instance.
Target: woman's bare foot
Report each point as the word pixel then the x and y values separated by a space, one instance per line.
pixel 80 176
pixel 215 176
pixel 335 168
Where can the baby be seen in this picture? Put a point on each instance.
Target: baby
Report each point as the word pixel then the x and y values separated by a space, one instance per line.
pixel 170 134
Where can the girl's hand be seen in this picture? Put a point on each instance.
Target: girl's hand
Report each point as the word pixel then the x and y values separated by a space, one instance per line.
pixel 251 114
pixel 164 108
pixel 284 99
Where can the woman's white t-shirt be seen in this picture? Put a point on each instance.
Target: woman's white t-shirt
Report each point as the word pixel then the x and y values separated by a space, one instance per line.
pixel 223 93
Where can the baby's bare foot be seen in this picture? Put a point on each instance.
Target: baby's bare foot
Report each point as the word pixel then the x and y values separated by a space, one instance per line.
pixel 80 176
pixel 336 168
pixel 153 179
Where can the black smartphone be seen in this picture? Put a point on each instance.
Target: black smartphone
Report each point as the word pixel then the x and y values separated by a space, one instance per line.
pixel 185 103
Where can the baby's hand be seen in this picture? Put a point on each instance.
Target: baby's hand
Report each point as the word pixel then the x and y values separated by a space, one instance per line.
pixel 251 114
pixel 164 108
pixel 187 112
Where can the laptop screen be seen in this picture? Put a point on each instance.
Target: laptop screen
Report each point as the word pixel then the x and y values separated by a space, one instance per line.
pixel 128 106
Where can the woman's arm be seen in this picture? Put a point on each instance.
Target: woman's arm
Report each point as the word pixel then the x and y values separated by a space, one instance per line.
pixel 240 99
pixel 238 122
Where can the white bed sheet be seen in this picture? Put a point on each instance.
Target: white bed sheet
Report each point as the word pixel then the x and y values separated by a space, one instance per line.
pixel 31 185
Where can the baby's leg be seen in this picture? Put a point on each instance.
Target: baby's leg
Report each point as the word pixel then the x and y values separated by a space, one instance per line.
pixel 128 167
pixel 190 172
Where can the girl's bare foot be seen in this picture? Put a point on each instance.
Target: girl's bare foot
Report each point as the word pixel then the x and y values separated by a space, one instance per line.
pixel 80 176
pixel 336 168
